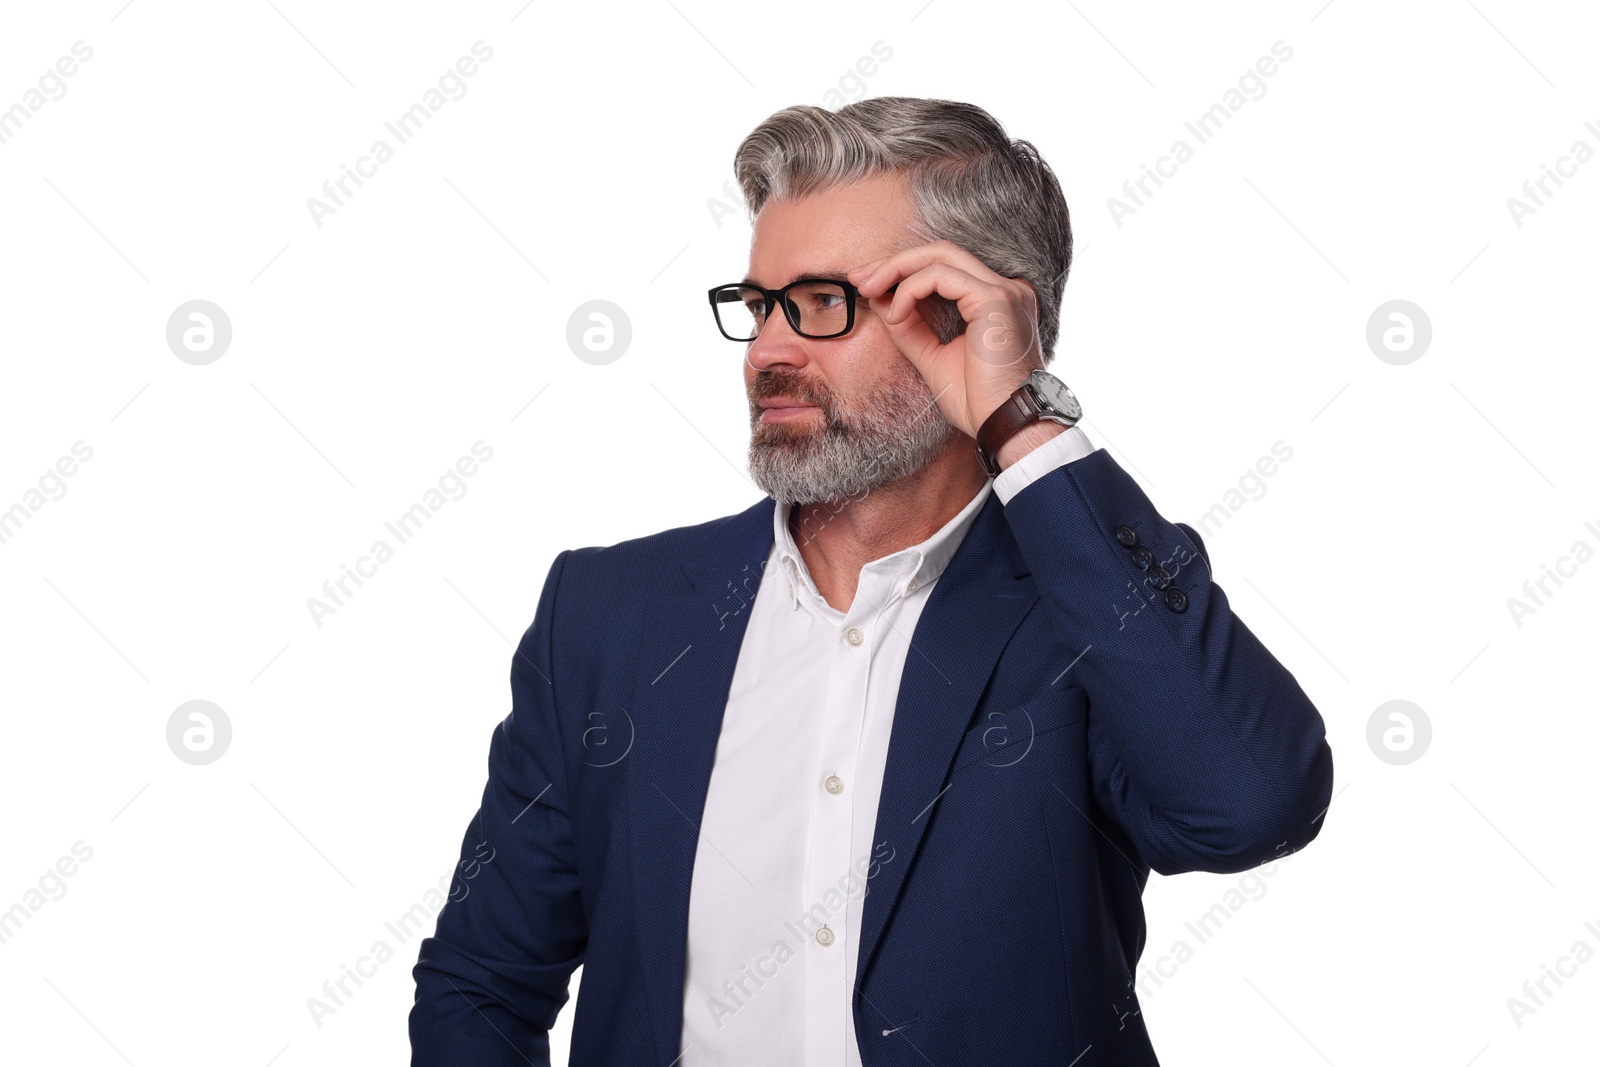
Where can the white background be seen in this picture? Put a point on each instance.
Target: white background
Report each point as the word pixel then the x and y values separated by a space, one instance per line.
pixel 430 311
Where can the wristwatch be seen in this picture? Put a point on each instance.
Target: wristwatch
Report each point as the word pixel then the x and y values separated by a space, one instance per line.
pixel 1040 396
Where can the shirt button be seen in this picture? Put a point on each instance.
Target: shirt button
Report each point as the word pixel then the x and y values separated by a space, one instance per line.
pixel 833 784
pixel 824 936
pixel 853 635
pixel 911 586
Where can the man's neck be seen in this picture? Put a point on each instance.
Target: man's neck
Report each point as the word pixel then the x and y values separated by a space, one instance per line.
pixel 837 538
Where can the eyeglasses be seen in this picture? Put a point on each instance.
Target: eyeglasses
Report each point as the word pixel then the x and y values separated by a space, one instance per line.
pixel 815 307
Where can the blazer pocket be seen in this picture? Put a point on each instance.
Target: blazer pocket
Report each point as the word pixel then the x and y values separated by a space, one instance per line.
pixel 1003 737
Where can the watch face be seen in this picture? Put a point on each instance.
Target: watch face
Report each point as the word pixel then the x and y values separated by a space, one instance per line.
pixel 1054 394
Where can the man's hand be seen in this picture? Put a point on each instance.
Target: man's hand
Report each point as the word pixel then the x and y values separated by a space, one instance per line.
pixel 975 373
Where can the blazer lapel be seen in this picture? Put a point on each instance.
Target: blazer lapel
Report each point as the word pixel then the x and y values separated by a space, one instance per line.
pixel 975 607
pixel 687 652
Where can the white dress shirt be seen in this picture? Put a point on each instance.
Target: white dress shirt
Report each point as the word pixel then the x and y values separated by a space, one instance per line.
pixel 786 837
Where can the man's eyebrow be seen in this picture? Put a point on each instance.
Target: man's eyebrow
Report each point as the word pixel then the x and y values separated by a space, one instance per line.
pixel 820 275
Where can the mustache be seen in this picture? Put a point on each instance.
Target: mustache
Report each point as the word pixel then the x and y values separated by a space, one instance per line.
pixel 768 385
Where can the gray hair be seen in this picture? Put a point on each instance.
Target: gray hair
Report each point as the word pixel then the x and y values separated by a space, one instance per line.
pixel 970 184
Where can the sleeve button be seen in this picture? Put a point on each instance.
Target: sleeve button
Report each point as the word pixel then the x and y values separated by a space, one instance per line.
pixel 1143 558
pixel 1126 537
pixel 1177 601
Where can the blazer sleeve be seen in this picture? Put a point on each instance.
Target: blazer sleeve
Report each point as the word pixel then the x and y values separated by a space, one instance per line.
pixel 492 978
pixel 1203 747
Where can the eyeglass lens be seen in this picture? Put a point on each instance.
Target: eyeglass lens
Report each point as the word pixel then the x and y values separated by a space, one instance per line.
pixel 822 308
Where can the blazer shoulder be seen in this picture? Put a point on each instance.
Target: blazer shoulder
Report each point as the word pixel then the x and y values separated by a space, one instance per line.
pixel 604 587
pixel 669 552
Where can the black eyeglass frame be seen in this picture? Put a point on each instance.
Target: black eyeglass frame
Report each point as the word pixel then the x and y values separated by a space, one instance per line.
pixel 780 298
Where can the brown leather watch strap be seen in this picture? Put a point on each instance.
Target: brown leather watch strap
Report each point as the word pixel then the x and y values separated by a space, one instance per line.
pixel 1018 411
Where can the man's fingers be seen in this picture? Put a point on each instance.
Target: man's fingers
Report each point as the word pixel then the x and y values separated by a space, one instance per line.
pixel 873 276
pixel 915 339
pixel 947 281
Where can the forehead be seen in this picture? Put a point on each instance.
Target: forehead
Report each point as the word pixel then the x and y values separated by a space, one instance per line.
pixel 830 231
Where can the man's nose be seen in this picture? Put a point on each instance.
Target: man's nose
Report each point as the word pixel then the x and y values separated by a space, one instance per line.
pixel 775 342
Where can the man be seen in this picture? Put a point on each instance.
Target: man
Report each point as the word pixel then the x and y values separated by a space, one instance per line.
pixel 875 771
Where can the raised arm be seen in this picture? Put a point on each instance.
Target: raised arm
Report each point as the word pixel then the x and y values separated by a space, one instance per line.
pixel 1205 749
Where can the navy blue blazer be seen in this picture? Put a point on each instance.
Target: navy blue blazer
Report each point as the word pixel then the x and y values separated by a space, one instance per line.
pixel 1080 707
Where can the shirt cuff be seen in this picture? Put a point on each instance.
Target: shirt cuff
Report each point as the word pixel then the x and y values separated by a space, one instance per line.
pixel 1072 443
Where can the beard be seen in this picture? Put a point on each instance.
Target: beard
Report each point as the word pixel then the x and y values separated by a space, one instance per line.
pixel 849 447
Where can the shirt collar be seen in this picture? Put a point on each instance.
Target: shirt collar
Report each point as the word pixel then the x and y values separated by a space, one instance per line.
pixel 909 569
